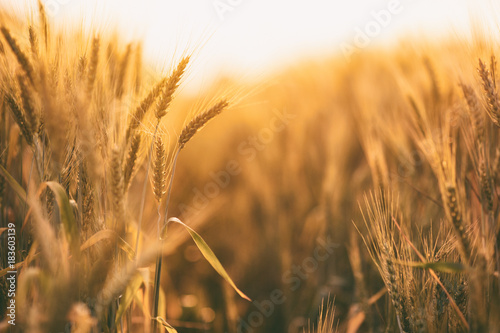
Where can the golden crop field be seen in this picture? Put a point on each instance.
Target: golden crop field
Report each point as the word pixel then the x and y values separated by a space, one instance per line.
pixel 333 196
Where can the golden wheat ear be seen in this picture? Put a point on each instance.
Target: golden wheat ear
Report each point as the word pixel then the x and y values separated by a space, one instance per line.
pixel 199 121
pixel 489 88
pixel 117 190
pixel 22 59
pixel 159 169
pixel 172 84
pixel 20 119
pixel 130 163
pixel 92 70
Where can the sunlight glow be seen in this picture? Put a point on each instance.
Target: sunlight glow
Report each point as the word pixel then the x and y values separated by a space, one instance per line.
pixel 249 37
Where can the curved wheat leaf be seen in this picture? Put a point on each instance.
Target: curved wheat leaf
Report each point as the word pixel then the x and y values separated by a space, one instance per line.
pixel 207 253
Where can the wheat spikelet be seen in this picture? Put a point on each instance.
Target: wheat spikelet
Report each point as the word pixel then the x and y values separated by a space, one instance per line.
pixel 143 107
pixel 129 166
pixel 159 171
pixel 122 72
pixel 493 70
pixel 493 103
pixel 20 56
pixel 33 42
pixel 20 119
pixel 486 186
pixel 495 170
pixel 67 170
pixel 475 111
pixel 419 120
pixel 82 66
pixel 86 191
pixel 453 210
pixel 44 23
pixel 172 84
pixel 441 302
pixel 436 94
pixel 112 61
pixel 92 70
pixel 138 68
pixel 199 121
pixel 28 107
pixel 117 191
pixel 393 286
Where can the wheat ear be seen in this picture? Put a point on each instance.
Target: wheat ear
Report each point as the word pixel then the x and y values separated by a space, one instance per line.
pixel 94 60
pixel 129 166
pixel 122 73
pixel 20 119
pixel 159 172
pixel 172 84
pixel 27 103
pixel 490 93
pixel 143 107
pixel 20 56
pixel 199 121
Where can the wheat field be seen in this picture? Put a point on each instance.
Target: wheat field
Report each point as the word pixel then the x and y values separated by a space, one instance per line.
pixel 358 196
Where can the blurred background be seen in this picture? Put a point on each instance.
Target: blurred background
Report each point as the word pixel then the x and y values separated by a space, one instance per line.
pixel 249 38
